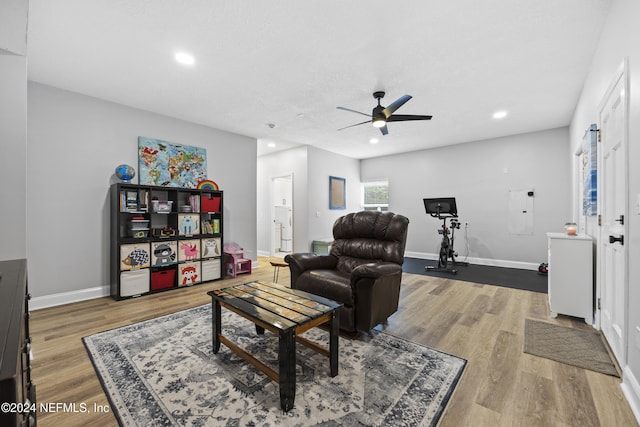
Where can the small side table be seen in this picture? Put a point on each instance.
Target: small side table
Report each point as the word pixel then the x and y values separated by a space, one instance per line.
pixel 276 269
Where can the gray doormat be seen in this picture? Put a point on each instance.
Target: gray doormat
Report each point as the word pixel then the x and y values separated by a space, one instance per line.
pixel 576 347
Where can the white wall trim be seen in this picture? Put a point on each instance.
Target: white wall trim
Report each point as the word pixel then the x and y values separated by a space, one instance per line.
pixel 631 390
pixel 479 261
pixel 263 253
pixel 62 298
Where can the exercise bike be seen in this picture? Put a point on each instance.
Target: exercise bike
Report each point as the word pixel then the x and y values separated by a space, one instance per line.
pixel 445 208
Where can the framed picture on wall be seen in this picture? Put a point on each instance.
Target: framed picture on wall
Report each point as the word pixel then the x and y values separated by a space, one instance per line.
pixel 337 199
pixel 167 164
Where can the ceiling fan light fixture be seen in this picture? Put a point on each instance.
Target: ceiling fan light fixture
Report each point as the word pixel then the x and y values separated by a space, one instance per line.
pixel 380 114
pixel 379 122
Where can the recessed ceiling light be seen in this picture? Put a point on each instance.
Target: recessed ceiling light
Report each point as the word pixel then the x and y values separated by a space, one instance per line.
pixel 500 114
pixel 373 141
pixel 185 58
pixel 271 145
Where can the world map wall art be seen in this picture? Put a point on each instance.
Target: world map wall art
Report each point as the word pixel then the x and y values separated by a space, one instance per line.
pixel 167 164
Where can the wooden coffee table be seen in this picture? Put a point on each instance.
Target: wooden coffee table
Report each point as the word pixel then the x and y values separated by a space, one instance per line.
pixel 285 312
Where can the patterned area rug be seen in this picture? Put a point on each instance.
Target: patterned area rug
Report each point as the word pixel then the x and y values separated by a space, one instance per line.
pixel 577 347
pixel 162 372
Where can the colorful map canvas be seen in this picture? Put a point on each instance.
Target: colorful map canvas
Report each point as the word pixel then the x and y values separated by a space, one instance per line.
pixel 167 164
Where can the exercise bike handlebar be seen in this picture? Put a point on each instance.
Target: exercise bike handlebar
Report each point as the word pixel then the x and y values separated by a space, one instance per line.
pixel 443 215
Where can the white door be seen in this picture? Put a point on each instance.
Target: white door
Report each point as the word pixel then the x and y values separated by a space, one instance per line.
pixel 613 210
pixel 282 214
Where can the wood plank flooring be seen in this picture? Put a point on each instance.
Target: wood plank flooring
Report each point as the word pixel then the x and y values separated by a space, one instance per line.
pixel 501 385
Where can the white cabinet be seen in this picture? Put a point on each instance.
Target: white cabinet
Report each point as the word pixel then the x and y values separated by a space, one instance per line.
pixel 571 275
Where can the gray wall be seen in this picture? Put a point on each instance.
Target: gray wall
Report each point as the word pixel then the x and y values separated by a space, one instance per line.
pixel 75 142
pixel 13 128
pixel 480 175
pixel 322 165
pixel 619 39
pixel 311 168
pixel 281 163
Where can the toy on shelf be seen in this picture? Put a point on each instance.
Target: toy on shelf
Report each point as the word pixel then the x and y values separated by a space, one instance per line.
pixel 234 260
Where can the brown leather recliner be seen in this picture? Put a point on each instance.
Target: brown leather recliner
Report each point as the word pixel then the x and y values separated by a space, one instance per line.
pixel 363 270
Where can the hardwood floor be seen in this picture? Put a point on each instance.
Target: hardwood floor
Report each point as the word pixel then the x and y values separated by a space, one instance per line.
pixel 501 385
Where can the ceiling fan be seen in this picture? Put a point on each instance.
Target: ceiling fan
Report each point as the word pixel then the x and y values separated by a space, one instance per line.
pixel 381 115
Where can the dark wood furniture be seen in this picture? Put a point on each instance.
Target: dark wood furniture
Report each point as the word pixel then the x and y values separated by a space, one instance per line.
pixel 17 391
pixel 163 238
pixel 285 312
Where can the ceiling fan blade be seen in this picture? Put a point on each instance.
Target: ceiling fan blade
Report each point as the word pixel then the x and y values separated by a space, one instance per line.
pixel 357 124
pixel 406 117
pixel 353 111
pixel 384 130
pixel 388 111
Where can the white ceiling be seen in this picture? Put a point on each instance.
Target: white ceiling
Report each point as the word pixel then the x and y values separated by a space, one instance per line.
pixel 292 62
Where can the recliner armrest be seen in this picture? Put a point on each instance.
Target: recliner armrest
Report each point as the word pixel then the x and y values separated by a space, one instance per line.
pixel 310 261
pixel 374 270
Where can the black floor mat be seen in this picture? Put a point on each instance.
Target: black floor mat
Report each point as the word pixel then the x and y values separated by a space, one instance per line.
pixel 500 276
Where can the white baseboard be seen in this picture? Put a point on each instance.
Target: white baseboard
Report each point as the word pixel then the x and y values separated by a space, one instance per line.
pixel 631 389
pixel 37 303
pixel 479 261
pixel 263 253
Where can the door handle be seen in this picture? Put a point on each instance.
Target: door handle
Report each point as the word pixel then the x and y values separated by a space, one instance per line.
pixel 616 239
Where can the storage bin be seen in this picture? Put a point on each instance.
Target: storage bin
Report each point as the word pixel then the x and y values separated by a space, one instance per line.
pixel 163 278
pixel 164 253
pixel 211 247
pixel 188 224
pixel 189 250
pixel 134 256
pixel 162 206
pixel 210 203
pixel 134 282
pixel 211 269
pixel 189 273
pixel 139 223
pixel 139 228
pixel 139 233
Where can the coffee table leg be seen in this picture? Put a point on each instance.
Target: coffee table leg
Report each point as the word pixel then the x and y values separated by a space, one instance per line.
pixel 287 365
pixel 333 341
pixel 216 324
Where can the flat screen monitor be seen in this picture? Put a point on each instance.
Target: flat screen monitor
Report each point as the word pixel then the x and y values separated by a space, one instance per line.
pixel 443 206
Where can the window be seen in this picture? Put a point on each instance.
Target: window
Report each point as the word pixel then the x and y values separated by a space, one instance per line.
pixel 375 195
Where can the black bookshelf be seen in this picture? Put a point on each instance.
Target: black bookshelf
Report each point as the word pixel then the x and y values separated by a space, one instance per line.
pixel 164 238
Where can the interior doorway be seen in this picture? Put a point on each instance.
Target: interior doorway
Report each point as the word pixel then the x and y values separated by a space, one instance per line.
pixel 281 215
